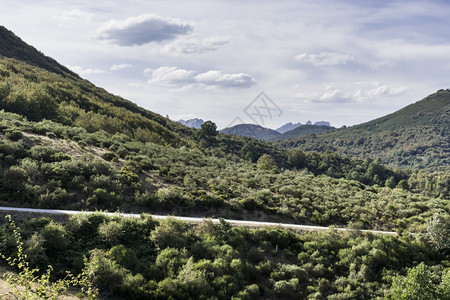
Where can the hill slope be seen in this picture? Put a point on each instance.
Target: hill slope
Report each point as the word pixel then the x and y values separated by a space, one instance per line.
pixel 416 136
pixel 40 88
pixel 252 130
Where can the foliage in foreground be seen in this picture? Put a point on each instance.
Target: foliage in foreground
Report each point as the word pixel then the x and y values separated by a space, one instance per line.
pixel 31 283
pixel 148 259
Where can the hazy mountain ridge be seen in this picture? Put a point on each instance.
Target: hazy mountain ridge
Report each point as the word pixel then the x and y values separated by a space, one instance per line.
pixel 192 123
pixel 288 126
pixel 303 131
pixel 291 126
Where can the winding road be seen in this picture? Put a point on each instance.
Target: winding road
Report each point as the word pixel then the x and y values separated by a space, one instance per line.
pixel 191 219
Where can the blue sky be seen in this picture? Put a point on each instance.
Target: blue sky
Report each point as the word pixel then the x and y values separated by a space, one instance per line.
pixel 345 62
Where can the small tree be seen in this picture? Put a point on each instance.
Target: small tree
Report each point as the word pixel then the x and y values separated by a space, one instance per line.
pixel 438 231
pixel 417 284
pixel 297 159
pixel 267 163
pixel 207 131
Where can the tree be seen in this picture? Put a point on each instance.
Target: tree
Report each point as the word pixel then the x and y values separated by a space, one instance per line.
pixel 297 159
pixel 417 284
pixel 266 163
pixel 250 152
pixel 207 131
pixel 438 231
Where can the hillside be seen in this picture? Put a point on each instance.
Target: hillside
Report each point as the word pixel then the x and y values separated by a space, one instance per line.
pixel 39 88
pixel 416 136
pixel 302 131
pixel 252 130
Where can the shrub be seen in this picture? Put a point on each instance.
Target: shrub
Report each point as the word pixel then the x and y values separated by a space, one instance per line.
pixel 14 135
pixel 54 235
pixel 111 231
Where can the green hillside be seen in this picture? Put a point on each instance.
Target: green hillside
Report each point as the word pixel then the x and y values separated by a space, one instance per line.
pixel 416 136
pixel 252 130
pixel 39 88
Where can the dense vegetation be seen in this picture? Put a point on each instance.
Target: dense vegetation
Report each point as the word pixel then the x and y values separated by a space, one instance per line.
pixel 413 137
pixel 170 259
pixel 49 165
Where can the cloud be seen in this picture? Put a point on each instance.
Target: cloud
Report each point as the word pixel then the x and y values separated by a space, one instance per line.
pixel 82 71
pixel 218 78
pixel 376 65
pixel 172 76
pixel 120 67
pixel 190 46
pixel 74 15
pixel 325 58
pixel 362 91
pixel 140 30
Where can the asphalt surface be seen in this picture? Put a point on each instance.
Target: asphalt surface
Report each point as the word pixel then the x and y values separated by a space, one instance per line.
pixel 191 219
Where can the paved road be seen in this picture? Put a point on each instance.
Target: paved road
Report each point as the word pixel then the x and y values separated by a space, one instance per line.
pixel 190 219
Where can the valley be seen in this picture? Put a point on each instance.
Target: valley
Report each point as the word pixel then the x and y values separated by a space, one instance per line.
pixel 68 145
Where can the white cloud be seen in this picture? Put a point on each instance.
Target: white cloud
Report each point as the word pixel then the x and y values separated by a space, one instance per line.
pixel 85 71
pixel 381 64
pixel 218 78
pixel 141 30
pixel 324 58
pixel 120 67
pixel 190 46
pixel 74 15
pixel 362 91
pixel 172 76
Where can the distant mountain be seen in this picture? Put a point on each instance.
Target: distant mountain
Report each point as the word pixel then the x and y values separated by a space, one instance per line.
pixel 416 136
pixel 322 123
pixel 303 131
pixel 252 130
pixel 192 123
pixel 288 126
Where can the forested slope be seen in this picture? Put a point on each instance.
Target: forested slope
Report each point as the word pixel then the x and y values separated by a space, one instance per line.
pixel 416 136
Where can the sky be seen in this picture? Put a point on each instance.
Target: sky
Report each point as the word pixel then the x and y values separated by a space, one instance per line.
pixel 265 62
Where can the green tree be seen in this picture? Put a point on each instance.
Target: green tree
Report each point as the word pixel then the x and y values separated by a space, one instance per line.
pixel 297 159
pixel 417 284
pixel 438 231
pixel 266 163
pixel 207 131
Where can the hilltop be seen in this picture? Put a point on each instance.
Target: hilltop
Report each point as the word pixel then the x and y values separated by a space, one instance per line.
pixel 252 130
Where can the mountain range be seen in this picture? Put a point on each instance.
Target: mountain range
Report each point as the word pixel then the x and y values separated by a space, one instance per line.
pixel 192 123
